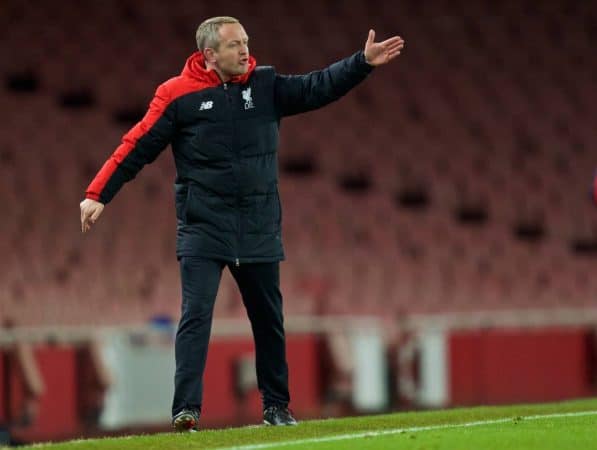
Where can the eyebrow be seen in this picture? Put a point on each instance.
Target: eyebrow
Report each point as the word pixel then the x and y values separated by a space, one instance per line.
pixel 236 40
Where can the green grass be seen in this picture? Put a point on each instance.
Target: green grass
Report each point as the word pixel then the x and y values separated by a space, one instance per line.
pixel 514 427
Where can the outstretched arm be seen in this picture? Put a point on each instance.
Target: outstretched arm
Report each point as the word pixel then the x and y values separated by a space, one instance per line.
pixel 300 93
pixel 140 145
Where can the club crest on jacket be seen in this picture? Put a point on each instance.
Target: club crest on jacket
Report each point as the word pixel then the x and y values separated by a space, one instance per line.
pixel 248 99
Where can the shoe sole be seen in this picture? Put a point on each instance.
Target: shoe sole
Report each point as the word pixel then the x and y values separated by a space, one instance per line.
pixel 185 424
pixel 282 424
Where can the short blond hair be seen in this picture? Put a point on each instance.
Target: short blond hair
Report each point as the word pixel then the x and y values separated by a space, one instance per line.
pixel 207 33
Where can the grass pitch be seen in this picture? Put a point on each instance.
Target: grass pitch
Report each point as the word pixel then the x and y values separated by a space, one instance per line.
pixel 552 426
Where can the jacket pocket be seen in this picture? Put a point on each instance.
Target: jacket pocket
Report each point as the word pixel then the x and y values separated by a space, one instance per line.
pixel 263 216
pixel 210 211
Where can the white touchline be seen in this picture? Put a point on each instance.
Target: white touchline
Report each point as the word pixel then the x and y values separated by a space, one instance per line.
pixel 342 437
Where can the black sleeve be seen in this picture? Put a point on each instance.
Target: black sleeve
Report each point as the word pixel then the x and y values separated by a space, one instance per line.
pixel 294 94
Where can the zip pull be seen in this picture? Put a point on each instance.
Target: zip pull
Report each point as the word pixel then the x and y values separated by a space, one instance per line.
pixel 237 262
pixel 225 86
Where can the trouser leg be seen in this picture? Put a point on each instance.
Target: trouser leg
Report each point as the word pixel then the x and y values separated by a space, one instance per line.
pixel 200 279
pixel 259 285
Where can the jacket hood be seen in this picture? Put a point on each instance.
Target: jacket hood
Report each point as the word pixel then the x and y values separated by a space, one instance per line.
pixel 195 68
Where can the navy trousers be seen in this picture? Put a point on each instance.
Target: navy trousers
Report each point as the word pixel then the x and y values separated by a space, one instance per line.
pixel 259 284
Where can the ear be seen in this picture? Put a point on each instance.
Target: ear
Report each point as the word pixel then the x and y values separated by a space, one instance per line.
pixel 209 55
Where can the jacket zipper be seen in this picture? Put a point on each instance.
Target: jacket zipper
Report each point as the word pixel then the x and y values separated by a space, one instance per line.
pixel 236 260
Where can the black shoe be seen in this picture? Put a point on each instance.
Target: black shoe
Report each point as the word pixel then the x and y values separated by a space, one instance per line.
pixel 278 415
pixel 186 421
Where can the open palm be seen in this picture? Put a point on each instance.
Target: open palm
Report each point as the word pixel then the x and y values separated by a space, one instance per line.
pixel 378 53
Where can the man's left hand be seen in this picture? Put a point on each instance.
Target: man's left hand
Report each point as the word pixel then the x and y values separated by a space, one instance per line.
pixel 378 53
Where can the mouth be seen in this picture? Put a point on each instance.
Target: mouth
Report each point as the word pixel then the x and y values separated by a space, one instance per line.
pixel 244 61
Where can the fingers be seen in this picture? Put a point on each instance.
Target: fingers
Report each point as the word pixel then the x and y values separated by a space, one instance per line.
pixel 394 48
pixel 390 41
pixel 392 55
pixel 85 215
pixel 394 45
pixel 96 214
pixel 396 40
pixel 84 225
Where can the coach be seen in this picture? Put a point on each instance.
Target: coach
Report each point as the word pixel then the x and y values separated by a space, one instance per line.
pixel 221 116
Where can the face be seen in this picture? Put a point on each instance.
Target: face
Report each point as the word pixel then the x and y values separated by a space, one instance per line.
pixel 232 55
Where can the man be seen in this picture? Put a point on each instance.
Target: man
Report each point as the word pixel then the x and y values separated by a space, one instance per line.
pixel 221 116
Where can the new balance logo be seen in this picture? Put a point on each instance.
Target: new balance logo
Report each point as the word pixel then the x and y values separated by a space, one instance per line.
pixel 206 105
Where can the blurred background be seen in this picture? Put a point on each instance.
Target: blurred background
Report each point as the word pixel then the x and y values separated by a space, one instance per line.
pixel 441 243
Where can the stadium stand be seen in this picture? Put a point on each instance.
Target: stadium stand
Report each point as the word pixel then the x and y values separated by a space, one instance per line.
pixel 456 180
